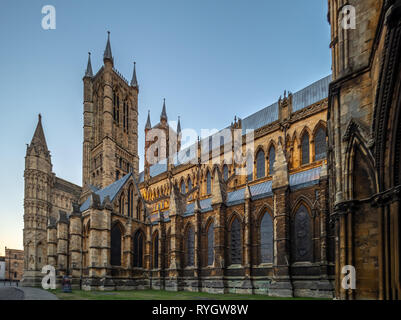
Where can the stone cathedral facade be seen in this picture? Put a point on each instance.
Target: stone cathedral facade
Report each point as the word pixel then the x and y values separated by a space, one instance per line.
pixel 185 225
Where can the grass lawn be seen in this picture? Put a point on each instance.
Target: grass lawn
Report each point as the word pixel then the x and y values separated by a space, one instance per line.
pixel 159 295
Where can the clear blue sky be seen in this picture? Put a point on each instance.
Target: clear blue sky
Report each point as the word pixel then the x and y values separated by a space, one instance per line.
pixel 210 59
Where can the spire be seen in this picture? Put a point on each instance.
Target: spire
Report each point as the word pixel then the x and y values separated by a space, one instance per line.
pixel 163 116
pixel 148 124
pixel 38 138
pixel 134 81
pixel 179 126
pixel 89 72
pixel 107 52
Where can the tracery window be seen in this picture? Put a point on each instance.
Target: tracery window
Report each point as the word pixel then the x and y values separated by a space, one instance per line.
pixel 260 164
pixel 156 251
pixel 272 159
pixel 182 187
pixel 208 183
pixel 235 242
pixel 225 172
pixel 138 249
pixel 122 205
pixel 302 239
pixel 190 246
pixel 305 149
pixel 131 201
pixel 320 144
pixel 115 244
pixel 266 239
pixel 210 244
pixel 249 167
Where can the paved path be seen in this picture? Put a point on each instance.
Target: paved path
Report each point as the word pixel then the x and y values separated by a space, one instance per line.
pixel 11 292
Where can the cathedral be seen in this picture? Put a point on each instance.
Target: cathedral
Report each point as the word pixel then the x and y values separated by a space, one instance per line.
pixel 315 189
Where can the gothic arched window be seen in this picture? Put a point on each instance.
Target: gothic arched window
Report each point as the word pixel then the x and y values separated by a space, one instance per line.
pixel 225 172
pixel 272 159
pixel 305 149
pixel 156 251
pixel 266 239
pixel 138 249
pixel 210 244
pixel 115 244
pixel 235 242
pixel 138 210
pixel 302 238
pixel 190 246
pixel 131 201
pixel 320 144
pixel 182 187
pixel 122 205
pixel 260 164
pixel 249 167
pixel 189 184
pixel 208 183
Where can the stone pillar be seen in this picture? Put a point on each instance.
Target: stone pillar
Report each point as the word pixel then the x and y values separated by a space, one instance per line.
pixel 99 245
pixel 197 286
pixel 248 283
pixel 52 242
pixel 75 248
pixel 281 285
pixel 62 245
pixel 173 283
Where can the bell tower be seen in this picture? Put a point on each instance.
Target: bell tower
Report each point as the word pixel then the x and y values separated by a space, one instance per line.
pixel 110 146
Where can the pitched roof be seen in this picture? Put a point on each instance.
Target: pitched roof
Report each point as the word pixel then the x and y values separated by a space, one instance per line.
pixel 111 190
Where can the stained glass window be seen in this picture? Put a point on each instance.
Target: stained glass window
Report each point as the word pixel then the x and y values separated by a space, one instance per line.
pixel 272 159
pixel 210 245
pixel 225 172
pixel 305 149
pixel 190 243
pixel 302 239
pixel 208 183
pixel 156 251
pixel 138 249
pixel 115 246
pixel 236 246
pixel 260 164
pixel 320 144
pixel 266 239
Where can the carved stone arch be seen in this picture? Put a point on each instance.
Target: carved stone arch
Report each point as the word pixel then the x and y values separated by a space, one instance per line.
pixel 207 223
pixel 361 178
pixel 302 200
pixel 266 208
pixel 304 131
pixel 302 230
pixel 321 124
pixel 139 240
pixel 189 244
pixel 234 216
pixel 119 224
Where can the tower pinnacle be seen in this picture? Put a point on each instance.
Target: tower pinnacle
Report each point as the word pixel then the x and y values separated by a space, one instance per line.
pixel 134 81
pixel 163 115
pixel 148 124
pixel 89 72
pixel 107 52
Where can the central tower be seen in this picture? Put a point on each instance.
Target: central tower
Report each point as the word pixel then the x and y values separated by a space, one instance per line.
pixel 110 146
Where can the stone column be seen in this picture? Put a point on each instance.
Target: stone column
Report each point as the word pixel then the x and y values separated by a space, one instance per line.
pixel 198 248
pixel 281 285
pixel 173 283
pixel 52 242
pixel 62 245
pixel 75 248
pixel 248 283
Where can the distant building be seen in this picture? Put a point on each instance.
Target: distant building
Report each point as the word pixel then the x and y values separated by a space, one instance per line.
pixel 14 264
pixel 2 268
